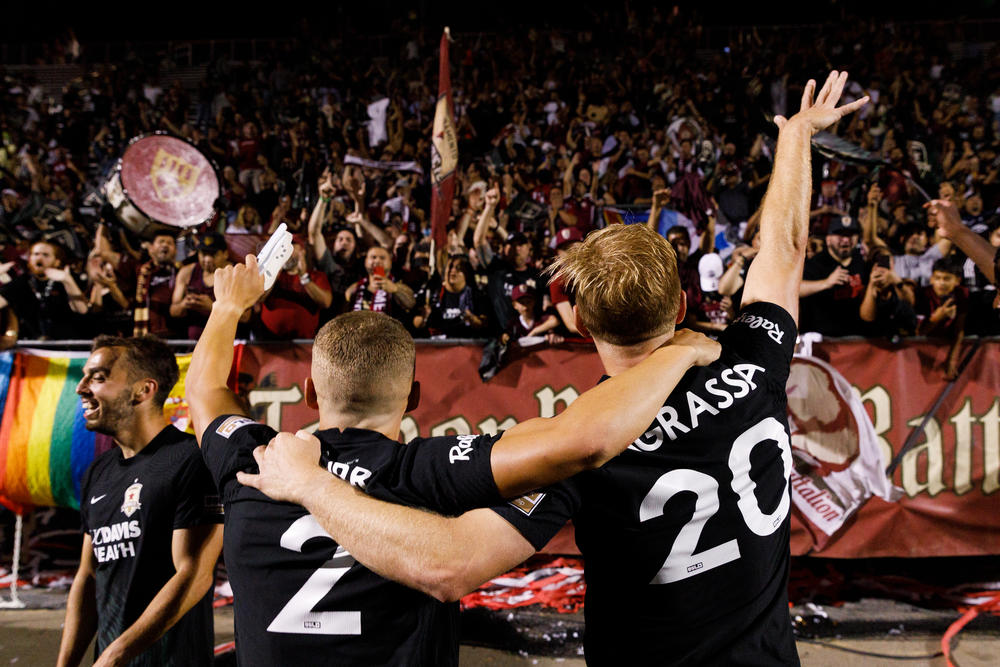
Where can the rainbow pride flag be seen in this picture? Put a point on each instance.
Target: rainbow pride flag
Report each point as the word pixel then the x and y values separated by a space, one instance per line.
pixel 44 445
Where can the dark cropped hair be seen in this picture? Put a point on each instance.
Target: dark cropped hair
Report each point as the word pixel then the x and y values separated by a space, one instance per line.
pixel 145 357
pixel 948 266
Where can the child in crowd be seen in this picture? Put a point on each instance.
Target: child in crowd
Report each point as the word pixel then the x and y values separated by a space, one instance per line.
pixel 941 309
pixel 526 324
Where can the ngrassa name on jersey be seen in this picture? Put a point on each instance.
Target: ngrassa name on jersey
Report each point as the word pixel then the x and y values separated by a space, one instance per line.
pixel 719 393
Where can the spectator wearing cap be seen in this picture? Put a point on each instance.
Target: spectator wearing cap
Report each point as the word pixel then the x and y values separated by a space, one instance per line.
pixel 292 308
pixel 504 271
pixel 833 283
pixel 942 307
pixel 193 291
pixel 564 240
pixel 716 309
pixel 526 323
pixel 917 259
pixel 828 207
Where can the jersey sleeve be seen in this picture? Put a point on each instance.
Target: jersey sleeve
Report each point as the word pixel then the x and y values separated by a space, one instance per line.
pixel 763 333
pixel 452 474
pixel 540 515
pixel 197 500
pixel 227 446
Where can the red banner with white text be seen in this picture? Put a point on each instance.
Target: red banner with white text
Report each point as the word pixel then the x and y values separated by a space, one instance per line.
pixel 949 504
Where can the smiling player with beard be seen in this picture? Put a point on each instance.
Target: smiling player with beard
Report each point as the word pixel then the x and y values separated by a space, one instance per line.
pixel 150 517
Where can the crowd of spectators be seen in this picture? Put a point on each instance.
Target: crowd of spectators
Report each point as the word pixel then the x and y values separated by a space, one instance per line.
pixel 560 132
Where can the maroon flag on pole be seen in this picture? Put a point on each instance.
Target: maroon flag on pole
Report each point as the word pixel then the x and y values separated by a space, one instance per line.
pixel 444 151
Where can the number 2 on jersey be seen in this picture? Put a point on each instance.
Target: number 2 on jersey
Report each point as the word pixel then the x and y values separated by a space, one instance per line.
pixel 298 617
pixel 682 562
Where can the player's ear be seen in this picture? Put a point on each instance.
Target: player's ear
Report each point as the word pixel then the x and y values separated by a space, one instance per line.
pixel 414 398
pixel 682 311
pixel 144 391
pixel 311 399
pixel 579 323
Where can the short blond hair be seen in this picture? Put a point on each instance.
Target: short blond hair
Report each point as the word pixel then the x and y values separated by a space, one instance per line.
pixel 363 363
pixel 625 281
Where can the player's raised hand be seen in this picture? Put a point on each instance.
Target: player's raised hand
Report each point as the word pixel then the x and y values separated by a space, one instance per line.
pixel 285 465
pixel 239 285
pixel 706 350
pixel 823 112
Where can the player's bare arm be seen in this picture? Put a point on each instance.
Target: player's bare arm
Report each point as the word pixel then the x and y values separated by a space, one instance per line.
pixel 784 226
pixel 237 287
pixel 599 424
pixel 950 226
pixel 595 428
pixel 445 557
pixel 81 610
pixel 194 551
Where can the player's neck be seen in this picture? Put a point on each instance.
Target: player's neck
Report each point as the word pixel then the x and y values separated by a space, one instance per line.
pixel 132 437
pixel 387 425
pixel 620 358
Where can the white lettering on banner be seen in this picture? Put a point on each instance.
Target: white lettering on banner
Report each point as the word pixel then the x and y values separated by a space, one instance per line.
pixel 756 322
pixel 274 399
pixel 670 423
pixel 819 506
pixel 460 452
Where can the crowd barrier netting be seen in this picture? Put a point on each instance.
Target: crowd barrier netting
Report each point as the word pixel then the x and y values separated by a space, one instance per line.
pixel 944 497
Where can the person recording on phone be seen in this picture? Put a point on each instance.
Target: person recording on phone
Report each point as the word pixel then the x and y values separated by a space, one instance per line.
pixel 888 300
pixel 379 291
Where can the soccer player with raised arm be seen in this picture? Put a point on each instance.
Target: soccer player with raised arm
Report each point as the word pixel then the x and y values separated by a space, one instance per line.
pixel 686 534
pixel 300 598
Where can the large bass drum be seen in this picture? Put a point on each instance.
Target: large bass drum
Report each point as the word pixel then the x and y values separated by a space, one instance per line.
pixel 162 182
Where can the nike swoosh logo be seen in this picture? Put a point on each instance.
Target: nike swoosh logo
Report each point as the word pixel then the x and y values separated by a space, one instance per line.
pixel 95 499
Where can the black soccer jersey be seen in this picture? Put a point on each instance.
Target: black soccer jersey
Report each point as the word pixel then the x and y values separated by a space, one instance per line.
pixel 685 535
pixel 300 598
pixel 131 507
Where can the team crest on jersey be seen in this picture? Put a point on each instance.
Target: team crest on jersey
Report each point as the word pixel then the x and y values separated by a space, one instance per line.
pixel 228 427
pixel 132 504
pixel 528 502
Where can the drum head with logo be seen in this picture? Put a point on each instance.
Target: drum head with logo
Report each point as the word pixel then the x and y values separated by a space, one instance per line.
pixel 169 180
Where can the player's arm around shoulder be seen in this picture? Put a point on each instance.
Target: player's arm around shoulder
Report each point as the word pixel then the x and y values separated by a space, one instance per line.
pixel 598 425
pixel 444 557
